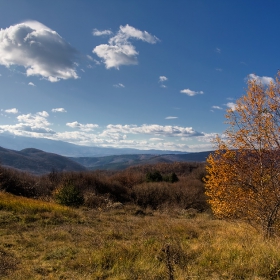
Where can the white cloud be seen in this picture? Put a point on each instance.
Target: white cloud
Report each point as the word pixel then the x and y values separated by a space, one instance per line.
pixel 97 32
pixel 12 111
pixel 119 85
pixel 263 80
pixel 83 127
pixel 171 131
pixel 60 110
pixel 32 125
pixel 163 78
pixel 171 118
pixel 38 119
pixel 218 50
pixel 231 105
pixel 89 57
pixel 156 139
pixel 97 62
pixel 43 114
pixel 42 51
pixel 191 92
pixel 31 84
pixel 119 136
pixel 119 50
pixel 217 107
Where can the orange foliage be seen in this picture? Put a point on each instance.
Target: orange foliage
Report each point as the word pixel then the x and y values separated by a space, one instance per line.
pixel 244 172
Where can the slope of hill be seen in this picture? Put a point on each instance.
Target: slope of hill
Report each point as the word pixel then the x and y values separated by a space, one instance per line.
pixel 36 161
pixel 119 162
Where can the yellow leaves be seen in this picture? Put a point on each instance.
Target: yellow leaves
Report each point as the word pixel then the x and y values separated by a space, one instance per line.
pixel 243 173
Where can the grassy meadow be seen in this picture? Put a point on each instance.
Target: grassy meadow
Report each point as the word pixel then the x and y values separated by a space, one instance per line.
pixel 107 239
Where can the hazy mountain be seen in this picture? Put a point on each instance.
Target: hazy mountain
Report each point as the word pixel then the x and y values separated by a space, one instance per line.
pixel 118 162
pixel 18 143
pixel 36 161
pixel 45 155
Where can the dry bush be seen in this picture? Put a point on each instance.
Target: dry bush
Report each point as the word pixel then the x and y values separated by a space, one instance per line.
pixel 95 201
pixel 183 194
pixel 128 178
pixel 16 182
pixel 97 184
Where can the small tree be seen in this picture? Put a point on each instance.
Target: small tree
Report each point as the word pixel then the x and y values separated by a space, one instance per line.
pixel 171 178
pixel 68 195
pixel 154 176
pixel 244 172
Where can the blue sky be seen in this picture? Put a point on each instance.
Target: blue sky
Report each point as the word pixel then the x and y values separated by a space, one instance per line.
pixel 149 74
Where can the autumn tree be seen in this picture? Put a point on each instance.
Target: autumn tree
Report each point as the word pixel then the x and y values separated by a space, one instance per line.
pixel 243 178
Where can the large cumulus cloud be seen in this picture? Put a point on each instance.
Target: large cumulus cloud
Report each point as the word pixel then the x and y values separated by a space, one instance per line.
pixel 39 49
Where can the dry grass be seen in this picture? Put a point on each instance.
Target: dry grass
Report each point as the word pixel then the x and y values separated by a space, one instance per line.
pixel 41 240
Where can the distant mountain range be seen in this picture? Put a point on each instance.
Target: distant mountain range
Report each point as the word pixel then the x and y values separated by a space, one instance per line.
pixel 123 161
pixel 46 155
pixel 18 143
pixel 39 162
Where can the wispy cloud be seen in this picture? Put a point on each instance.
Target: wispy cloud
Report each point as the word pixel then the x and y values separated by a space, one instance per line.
pixel 119 50
pixel 59 110
pixel 162 79
pixel 119 85
pixel 171 118
pixel 31 84
pixel 218 50
pixel 263 80
pixel 11 111
pixel 191 92
pixel 83 127
pixel 217 107
pixel 97 32
pixel 42 51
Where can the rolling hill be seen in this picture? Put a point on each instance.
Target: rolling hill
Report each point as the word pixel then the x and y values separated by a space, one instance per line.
pixel 36 161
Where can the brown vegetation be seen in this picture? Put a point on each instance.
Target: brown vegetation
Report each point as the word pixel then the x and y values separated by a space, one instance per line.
pixel 129 186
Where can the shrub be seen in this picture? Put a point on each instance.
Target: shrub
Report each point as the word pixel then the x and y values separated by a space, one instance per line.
pixel 69 195
pixel 153 176
pixel 172 178
pixel 16 182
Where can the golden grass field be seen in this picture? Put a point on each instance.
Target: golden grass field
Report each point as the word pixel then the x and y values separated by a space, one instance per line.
pixel 43 240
